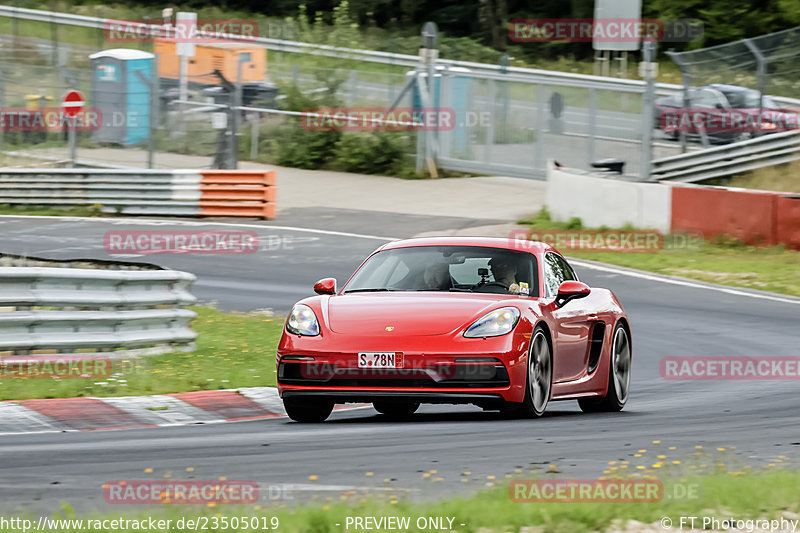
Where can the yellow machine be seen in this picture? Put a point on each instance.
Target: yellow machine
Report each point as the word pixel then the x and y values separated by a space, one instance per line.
pixel 209 57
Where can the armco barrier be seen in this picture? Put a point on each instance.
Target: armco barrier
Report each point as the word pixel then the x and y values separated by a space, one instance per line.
pixel 246 193
pixel 730 159
pixel 603 201
pixel 115 312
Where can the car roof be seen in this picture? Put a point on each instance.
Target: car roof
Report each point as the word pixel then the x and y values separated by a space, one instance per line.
pixel 730 88
pixel 507 243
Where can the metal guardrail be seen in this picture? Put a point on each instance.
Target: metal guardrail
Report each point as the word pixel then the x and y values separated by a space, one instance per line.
pixel 730 159
pixel 489 156
pixel 145 192
pixel 478 70
pixel 109 311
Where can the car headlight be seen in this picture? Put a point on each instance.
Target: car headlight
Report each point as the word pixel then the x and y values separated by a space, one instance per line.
pixel 302 321
pixel 498 322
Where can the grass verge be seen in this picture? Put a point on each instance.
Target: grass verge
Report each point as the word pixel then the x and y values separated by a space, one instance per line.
pixel 38 210
pixel 772 268
pixel 233 350
pixel 769 495
pixel 781 178
pixel 723 261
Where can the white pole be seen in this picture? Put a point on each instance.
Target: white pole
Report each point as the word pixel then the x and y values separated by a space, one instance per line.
pixel 73 149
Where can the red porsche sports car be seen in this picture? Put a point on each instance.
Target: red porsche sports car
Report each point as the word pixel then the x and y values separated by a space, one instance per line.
pixel 500 323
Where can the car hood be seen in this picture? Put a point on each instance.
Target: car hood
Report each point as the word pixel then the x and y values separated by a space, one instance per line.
pixel 415 313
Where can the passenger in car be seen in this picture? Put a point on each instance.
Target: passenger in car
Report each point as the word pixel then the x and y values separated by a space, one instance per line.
pixel 437 277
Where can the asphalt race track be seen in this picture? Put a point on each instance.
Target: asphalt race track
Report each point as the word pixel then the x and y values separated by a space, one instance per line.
pixel 668 318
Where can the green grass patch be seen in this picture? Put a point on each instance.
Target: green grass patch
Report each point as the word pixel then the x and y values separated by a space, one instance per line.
pixel 723 261
pixel 783 178
pixel 233 350
pixel 749 497
pixel 772 268
pixel 38 210
pixel 768 495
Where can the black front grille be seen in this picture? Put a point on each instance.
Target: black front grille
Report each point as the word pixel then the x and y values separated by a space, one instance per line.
pixel 439 376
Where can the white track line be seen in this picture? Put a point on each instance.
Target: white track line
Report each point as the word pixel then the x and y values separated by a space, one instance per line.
pixel 161 222
pixel 594 266
pixel 685 283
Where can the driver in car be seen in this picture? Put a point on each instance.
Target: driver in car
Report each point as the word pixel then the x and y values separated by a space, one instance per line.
pixel 505 272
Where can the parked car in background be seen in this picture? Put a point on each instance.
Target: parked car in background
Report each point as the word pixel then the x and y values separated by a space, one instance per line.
pixel 726 113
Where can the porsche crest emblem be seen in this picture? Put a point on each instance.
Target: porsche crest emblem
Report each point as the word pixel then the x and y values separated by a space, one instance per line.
pixel 389 328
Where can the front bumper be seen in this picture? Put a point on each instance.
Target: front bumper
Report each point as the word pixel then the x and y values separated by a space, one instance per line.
pixel 435 370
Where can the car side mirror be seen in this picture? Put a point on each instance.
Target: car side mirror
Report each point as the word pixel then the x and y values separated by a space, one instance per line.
pixel 571 290
pixel 325 286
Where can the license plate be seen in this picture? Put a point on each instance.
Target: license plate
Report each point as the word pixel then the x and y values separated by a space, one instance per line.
pixel 380 359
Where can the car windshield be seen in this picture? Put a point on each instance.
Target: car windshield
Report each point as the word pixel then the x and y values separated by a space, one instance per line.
pixel 448 268
pixel 746 99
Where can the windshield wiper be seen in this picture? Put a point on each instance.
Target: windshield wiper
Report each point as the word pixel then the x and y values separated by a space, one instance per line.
pixel 382 289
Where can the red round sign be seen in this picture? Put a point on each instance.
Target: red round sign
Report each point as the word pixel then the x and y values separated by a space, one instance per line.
pixel 72 104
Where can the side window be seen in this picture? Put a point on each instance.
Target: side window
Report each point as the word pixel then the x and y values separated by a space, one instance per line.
pixel 710 99
pixel 552 274
pixel 567 273
pixel 557 271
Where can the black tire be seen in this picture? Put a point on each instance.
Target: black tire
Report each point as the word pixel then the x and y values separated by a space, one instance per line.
pixel 307 410
pixel 616 396
pixel 396 410
pixel 538 389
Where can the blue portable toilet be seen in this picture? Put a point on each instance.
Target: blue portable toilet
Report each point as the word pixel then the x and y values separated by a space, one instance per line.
pixel 458 99
pixel 121 87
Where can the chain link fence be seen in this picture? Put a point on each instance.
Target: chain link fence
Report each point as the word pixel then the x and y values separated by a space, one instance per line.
pixel 504 123
pixel 769 63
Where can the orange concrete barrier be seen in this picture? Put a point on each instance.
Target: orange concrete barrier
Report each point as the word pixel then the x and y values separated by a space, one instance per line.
pixel 238 193
pixel 750 216
pixel 788 220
